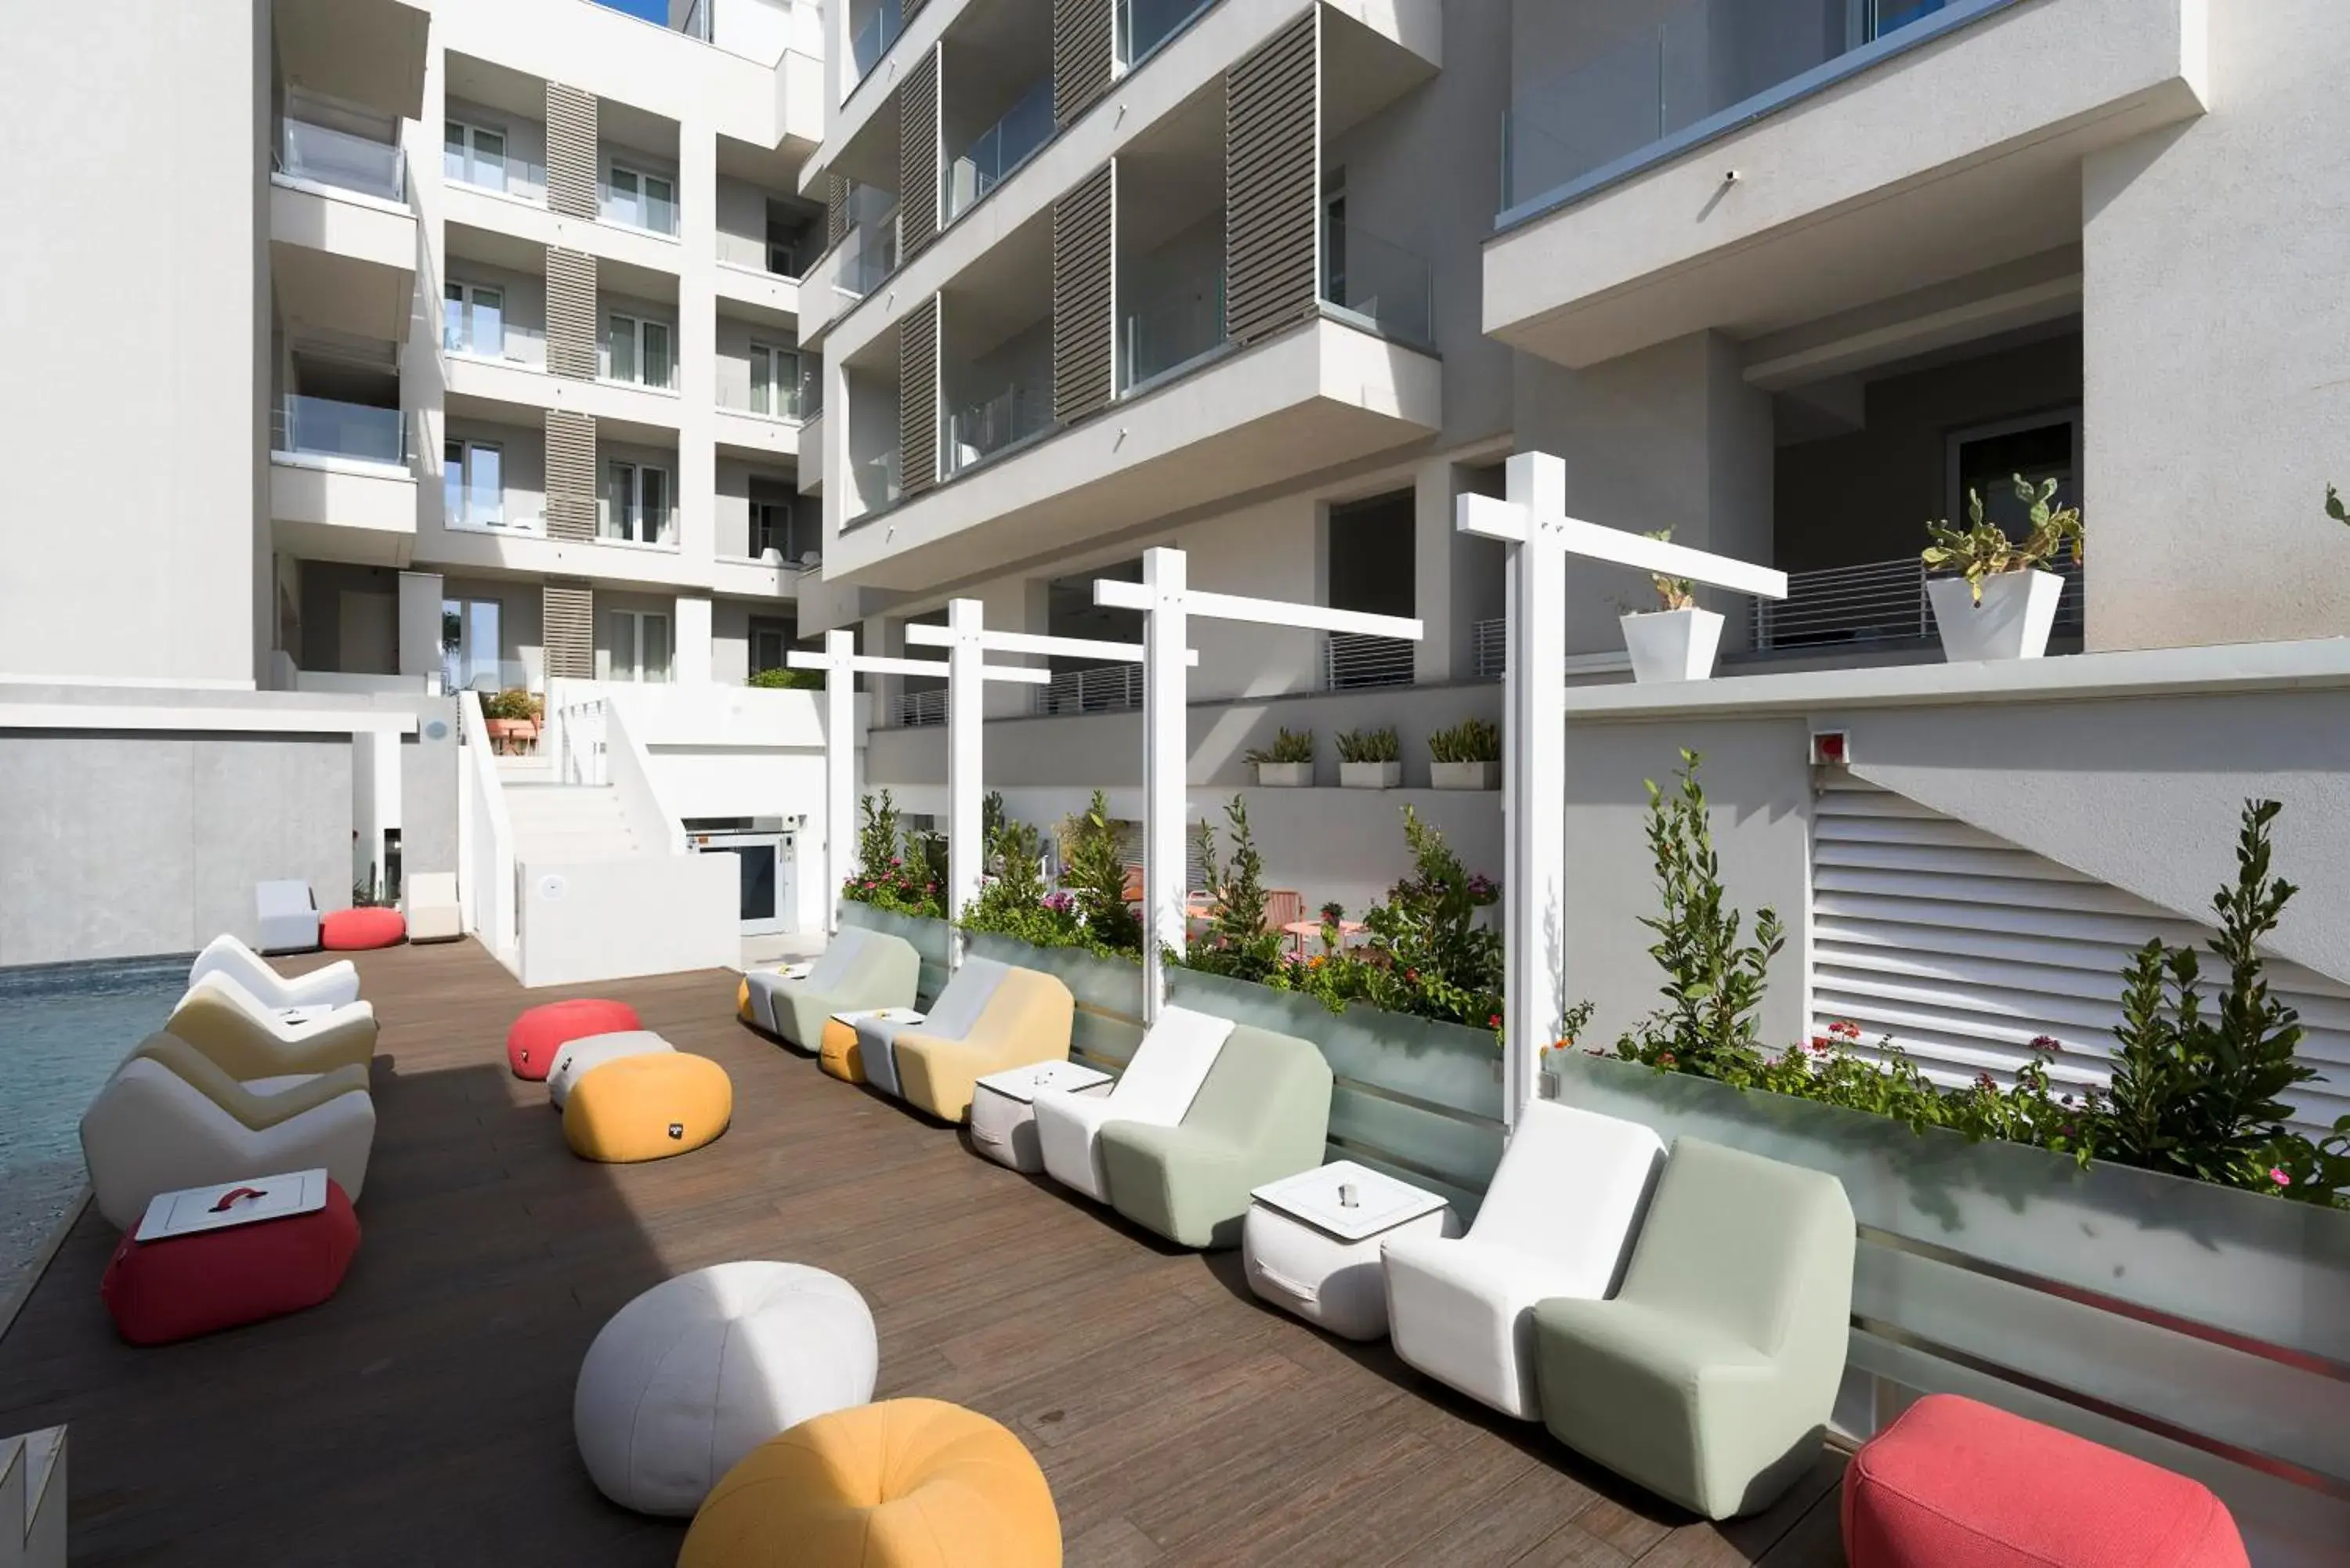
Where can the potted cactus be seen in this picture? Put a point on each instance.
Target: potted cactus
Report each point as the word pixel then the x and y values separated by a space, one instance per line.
pixel 1287 764
pixel 1370 759
pixel 1466 757
pixel 1994 601
pixel 1677 640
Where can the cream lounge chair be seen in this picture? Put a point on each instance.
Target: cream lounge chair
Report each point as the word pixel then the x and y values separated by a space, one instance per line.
pixel 334 985
pixel 248 1039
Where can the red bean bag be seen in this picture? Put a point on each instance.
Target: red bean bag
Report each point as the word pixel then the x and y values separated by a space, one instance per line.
pixel 353 931
pixel 544 1030
pixel 181 1286
pixel 1956 1484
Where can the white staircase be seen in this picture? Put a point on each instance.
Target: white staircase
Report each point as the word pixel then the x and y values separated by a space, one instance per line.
pixel 556 822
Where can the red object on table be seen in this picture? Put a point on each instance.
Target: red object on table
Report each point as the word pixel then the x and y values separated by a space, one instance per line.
pixel 181 1286
pixel 351 930
pixel 544 1030
pixel 1953 1483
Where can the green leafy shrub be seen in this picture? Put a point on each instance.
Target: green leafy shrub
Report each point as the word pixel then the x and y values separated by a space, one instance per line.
pixel 1370 745
pixel 1673 593
pixel 2335 506
pixel 781 678
pixel 1470 741
pixel 512 703
pixel 890 874
pixel 1092 876
pixel 1236 941
pixel 1288 746
pixel 1982 549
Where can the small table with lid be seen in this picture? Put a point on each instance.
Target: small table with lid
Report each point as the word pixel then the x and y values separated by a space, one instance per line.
pixel 1311 1243
pixel 1004 1108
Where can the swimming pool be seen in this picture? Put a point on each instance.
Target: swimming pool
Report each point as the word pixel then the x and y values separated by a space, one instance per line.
pixel 64 1028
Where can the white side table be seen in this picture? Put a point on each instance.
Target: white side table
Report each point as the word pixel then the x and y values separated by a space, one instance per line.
pixel 1311 1242
pixel 1004 1108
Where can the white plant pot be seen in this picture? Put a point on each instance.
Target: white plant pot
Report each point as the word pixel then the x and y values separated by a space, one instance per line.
pixel 1464 775
pixel 2013 621
pixel 1283 775
pixel 1673 645
pixel 1370 775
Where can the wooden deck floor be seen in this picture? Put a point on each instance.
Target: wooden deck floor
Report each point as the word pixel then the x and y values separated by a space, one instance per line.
pixel 423 1416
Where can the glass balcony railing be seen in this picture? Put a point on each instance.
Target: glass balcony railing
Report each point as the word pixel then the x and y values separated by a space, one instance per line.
pixel 321 427
pixel 654 210
pixel 1170 331
pixel 979 431
pixel 868 253
pixel 878 479
pixel 1697 60
pixel 873 37
pixel 1144 25
pixel 1001 148
pixel 326 156
pixel 1380 282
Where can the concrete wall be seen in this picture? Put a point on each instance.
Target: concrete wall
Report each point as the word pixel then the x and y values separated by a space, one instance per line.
pixel 173 455
pixel 2219 372
pixel 569 933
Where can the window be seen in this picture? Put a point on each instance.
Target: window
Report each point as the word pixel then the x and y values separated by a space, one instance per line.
pixel 1333 237
pixel 643 200
pixel 636 350
pixel 474 485
pixel 472 319
pixel 775 525
pixel 636 647
pixel 1988 458
pixel 784 232
pixel 775 381
pixel 469 645
pixel 771 644
pixel 475 155
pixel 637 503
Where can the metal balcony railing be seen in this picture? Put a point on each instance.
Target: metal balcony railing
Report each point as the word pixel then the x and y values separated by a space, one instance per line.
pixel 1489 648
pixel 1877 601
pixel 913 708
pixel 1350 659
pixel 1110 689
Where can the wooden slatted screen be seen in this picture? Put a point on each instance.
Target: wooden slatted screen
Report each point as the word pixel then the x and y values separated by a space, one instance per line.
pixel 919 157
pixel 570 314
pixel 1084 295
pixel 1272 157
pixel 1084 55
pixel 570 474
pixel 566 630
pixel 1964 947
pixel 907 10
pixel 918 399
pixel 836 209
pixel 570 152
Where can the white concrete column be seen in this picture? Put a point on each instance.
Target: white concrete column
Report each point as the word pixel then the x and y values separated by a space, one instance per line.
pixel 966 779
pixel 420 625
pixel 690 659
pixel 1166 766
pixel 840 814
pixel 697 344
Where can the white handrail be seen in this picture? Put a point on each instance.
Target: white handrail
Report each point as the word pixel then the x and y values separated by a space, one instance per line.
pixel 486 868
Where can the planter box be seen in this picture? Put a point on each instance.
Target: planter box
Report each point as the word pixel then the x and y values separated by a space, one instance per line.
pixel 1370 775
pixel 929 937
pixel 2013 621
pixel 1673 645
pixel 1283 775
pixel 1464 775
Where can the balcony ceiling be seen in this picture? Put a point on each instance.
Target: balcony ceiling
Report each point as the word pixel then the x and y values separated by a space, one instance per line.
pixel 369 52
pixel 320 290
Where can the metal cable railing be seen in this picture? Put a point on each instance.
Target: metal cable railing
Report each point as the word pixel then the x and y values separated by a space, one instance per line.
pixel 1106 690
pixel 1351 659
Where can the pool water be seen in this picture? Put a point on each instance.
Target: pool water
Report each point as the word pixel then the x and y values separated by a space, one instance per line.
pixel 64 1028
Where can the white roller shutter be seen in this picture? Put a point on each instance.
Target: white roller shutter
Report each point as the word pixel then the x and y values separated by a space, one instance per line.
pixel 1963 948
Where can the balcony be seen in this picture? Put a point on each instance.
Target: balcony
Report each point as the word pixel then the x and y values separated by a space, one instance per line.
pixel 636 203
pixel 1351 661
pixel 351 432
pixel 1001 148
pixel 1164 336
pixel 368 53
pixel 342 239
pixel 1876 152
pixel 342 161
pixel 982 429
pixel 1378 284
pixel 1879 602
pixel 872 39
pixel 339 485
pixel 910 710
pixel 1144 26
pixel 1105 689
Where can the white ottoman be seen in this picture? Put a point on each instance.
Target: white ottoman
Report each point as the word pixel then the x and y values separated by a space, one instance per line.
pixel 574 1060
pixel 1310 1251
pixel 698 1371
pixel 1004 1108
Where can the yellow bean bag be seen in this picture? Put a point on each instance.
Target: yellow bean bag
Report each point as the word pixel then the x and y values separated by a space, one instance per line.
pixel 907 1483
pixel 836 1051
pixel 742 1000
pixel 648 1107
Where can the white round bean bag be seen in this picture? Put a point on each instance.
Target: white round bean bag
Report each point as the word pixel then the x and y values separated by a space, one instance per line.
pixel 695 1373
pixel 575 1058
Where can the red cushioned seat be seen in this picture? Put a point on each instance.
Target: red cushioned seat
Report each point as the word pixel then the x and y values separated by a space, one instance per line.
pixel 352 930
pixel 1956 1484
pixel 181 1286
pixel 544 1030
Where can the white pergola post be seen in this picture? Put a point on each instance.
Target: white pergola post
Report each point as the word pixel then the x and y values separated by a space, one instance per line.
pixel 1168 605
pixel 1533 522
pixel 968 641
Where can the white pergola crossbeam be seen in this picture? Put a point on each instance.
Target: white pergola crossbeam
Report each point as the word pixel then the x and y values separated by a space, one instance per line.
pixel 1030 642
pixel 1113 595
pixel 1542 539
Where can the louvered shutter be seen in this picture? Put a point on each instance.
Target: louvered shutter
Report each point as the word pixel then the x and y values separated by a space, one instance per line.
pixel 918 399
pixel 1272 157
pixel 570 314
pixel 1964 947
pixel 567 631
pixel 1084 295
pixel 836 209
pixel 570 152
pixel 1085 57
pixel 570 474
pixel 919 157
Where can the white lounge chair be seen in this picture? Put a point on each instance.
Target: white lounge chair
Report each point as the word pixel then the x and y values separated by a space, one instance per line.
pixel 428 901
pixel 334 985
pixel 288 917
pixel 1157 1088
pixel 1558 1220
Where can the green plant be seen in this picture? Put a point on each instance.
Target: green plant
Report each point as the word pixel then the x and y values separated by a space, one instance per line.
pixel 883 878
pixel 1378 745
pixel 1713 980
pixel 2197 1090
pixel 1470 741
pixel 1236 941
pixel 780 679
pixel 1673 593
pixel 512 703
pixel 1982 549
pixel 2335 506
pixel 1288 746
pixel 1094 875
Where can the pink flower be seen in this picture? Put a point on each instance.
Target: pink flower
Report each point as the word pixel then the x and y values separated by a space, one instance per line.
pixel 2277 1175
pixel 1820 1044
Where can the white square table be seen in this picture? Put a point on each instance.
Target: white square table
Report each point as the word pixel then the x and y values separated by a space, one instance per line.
pixel 1004 1108
pixel 1311 1243
pixel 229 1203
